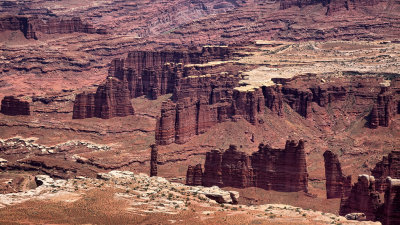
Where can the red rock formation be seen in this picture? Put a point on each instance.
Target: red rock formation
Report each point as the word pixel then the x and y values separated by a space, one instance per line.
pixel 388 167
pixel 165 129
pixel 332 5
pixel 29 26
pixel 337 185
pixel 194 175
pixel 13 106
pixel 392 203
pixel 154 73
pixel 281 169
pixel 21 23
pixel 270 169
pixel 213 169
pixel 153 160
pixel 299 100
pixel 273 98
pixel 384 109
pixel 111 100
pixel 363 198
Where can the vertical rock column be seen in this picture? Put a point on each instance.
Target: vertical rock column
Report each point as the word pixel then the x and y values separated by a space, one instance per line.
pixel 392 202
pixel 336 183
pixel 153 160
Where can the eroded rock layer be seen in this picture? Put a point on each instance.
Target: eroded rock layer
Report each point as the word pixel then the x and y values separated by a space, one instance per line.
pixel 153 160
pixel 13 106
pixel 31 25
pixel 388 167
pixel 337 184
pixel 392 202
pixel 268 168
pixel 110 100
pixel 363 198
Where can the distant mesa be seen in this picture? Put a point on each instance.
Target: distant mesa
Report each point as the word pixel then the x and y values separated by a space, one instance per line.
pixel 31 25
pixel 13 106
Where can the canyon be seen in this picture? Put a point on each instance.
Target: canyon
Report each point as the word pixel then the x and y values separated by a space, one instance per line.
pixel 210 94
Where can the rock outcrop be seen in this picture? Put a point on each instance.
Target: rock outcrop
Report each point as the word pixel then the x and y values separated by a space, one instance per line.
pixel 14 107
pixel 153 160
pixel 203 101
pixel 388 167
pixel 363 198
pixel 384 109
pixel 194 175
pixel 31 25
pixel 268 168
pixel 392 202
pixel 154 73
pixel 110 100
pixel 337 185
pixel 333 6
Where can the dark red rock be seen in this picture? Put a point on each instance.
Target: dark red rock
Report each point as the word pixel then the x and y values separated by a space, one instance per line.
pixel 14 107
pixel 384 109
pixel 337 185
pixel 154 73
pixel 388 167
pixel 31 25
pixel 392 202
pixel 194 175
pixel 273 98
pixel 270 169
pixel 111 100
pixel 165 129
pixel 153 160
pixel 363 198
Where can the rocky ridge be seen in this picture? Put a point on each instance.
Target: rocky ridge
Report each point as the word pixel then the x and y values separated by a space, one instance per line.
pixel 233 168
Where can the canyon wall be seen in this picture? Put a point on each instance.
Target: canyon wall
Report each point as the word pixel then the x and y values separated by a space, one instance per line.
pixel 30 25
pixel 333 6
pixel 268 168
pixel 337 185
pixel 13 106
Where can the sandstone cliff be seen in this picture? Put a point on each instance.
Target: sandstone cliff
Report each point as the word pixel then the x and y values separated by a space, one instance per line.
pixel 337 185
pixel 153 160
pixel 13 106
pixel 110 100
pixel 388 167
pixel 31 25
pixel 363 198
pixel 268 168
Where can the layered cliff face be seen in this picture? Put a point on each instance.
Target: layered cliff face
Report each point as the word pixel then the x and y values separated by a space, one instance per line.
pixel 333 6
pixel 153 160
pixel 154 73
pixel 110 100
pixel 363 198
pixel 385 107
pixel 337 185
pixel 270 169
pixel 198 109
pixel 31 25
pixel 18 23
pixel 194 175
pixel 14 107
pixel 388 167
pixel 392 202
